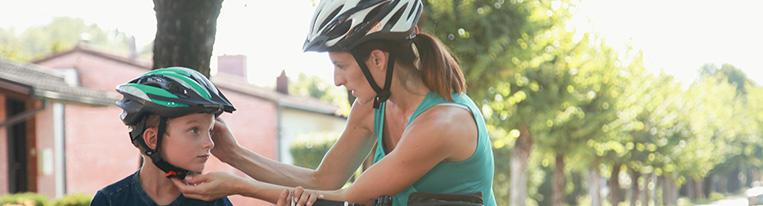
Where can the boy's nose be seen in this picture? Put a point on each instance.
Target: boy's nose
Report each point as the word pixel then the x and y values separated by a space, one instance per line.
pixel 208 143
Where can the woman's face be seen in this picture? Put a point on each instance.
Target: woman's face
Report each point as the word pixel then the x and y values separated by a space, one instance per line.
pixel 347 73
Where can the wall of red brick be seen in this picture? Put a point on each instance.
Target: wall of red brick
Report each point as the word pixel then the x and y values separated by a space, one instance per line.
pixel 46 182
pixel 98 151
pixel 3 150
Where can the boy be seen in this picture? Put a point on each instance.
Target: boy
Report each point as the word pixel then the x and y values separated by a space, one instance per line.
pixel 170 112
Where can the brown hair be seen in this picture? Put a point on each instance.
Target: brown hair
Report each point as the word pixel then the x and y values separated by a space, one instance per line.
pixel 152 121
pixel 438 68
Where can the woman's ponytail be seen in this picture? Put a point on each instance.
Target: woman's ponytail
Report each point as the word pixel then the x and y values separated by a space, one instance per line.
pixel 439 69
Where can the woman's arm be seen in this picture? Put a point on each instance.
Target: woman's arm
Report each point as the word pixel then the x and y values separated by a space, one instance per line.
pixel 216 185
pixel 437 135
pixel 337 166
pixel 432 138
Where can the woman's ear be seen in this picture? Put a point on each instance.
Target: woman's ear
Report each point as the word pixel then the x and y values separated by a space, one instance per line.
pixel 378 59
pixel 149 137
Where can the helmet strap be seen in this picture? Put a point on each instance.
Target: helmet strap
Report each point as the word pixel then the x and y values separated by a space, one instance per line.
pixel 382 94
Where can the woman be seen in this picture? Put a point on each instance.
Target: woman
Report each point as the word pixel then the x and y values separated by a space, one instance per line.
pixel 411 104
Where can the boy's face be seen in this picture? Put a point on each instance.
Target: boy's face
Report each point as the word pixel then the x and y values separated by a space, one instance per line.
pixel 187 143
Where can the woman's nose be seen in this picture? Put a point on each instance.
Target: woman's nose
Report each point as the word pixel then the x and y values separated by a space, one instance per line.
pixel 338 80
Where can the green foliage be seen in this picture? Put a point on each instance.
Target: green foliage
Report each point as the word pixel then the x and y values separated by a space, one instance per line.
pixel 596 107
pixel 74 200
pixel 526 68
pixel 59 35
pixel 733 76
pixel 34 199
pixel 480 34
pixel 313 86
pixel 310 149
pixel 28 199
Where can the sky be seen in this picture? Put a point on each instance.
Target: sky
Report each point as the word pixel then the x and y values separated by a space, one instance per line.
pixel 269 33
pixel 679 36
pixel 676 36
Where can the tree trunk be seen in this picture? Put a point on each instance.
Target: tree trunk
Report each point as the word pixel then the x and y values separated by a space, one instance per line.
pixel 699 188
pixel 634 186
pixel 748 177
pixel 185 33
pixel 615 193
pixel 645 190
pixel 669 191
pixel 594 185
pixel 690 189
pixel 656 191
pixel 558 194
pixel 733 178
pixel 520 158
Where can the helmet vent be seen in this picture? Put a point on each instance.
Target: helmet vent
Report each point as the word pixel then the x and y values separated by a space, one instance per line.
pixel 374 12
pixel 396 17
pixel 416 9
pixel 330 17
pixel 340 29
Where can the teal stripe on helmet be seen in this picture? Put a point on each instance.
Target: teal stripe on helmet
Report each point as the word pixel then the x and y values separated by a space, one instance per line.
pixel 181 70
pixel 159 92
pixel 152 90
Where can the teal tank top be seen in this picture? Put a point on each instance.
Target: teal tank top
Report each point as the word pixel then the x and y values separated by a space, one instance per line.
pixel 474 174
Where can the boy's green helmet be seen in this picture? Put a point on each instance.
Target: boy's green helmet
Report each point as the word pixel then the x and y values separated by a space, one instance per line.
pixel 168 93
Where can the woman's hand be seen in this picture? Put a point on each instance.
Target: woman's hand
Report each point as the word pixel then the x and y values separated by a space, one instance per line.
pixel 210 186
pixel 301 197
pixel 224 141
pixel 283 199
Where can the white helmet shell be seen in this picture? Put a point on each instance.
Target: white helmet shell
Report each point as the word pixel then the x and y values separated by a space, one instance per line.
pixel 343 24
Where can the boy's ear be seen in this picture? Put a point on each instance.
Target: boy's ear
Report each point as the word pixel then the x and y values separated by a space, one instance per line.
pixel 149 137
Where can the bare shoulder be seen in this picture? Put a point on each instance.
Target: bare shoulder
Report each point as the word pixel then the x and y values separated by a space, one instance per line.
pixel 449 126
pixel 452 116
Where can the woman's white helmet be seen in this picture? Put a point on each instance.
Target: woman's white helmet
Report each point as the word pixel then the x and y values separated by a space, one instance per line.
pixel 340 25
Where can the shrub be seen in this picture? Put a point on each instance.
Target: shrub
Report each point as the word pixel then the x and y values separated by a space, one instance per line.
pixel 309 152
pixel 25 199
pixel 74 200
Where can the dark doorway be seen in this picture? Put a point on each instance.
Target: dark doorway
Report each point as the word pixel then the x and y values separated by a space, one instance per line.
pixel 18 180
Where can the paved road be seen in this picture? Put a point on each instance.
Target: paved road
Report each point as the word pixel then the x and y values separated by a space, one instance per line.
pixel 731 201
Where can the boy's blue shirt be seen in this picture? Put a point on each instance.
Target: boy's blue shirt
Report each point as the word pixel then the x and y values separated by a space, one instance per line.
pixel 129 192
